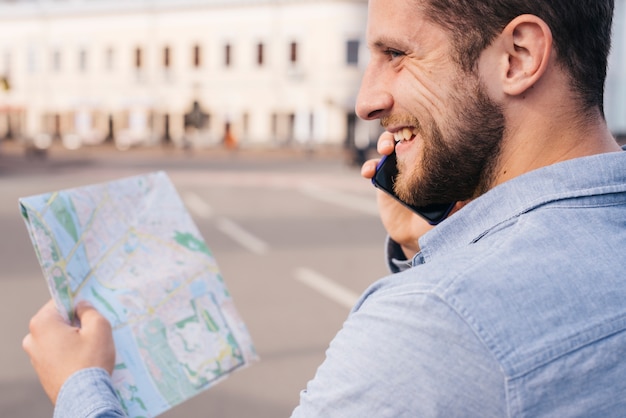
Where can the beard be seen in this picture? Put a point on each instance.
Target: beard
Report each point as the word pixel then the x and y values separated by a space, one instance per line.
pixel 460 164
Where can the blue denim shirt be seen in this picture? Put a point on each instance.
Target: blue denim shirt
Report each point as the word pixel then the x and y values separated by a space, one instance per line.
pixel 515 307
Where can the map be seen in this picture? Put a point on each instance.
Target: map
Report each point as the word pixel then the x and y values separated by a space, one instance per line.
pixel 132 250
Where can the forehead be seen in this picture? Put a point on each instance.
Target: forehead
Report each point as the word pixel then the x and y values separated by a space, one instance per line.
pixel 399 22
pixel 394 10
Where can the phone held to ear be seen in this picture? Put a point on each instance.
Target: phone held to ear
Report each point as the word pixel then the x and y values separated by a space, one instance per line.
pixel 385 177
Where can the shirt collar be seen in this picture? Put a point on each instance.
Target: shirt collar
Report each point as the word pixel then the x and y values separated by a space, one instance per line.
pixel 604 173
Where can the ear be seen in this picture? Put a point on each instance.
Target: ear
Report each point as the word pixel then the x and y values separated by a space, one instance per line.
pixel 528 44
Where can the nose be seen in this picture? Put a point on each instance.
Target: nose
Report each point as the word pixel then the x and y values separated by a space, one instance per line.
pixel 373 100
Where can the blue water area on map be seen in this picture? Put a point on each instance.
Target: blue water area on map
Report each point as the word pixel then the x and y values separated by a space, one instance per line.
pixel 77 267
pixel 198 288
pixel 62 220
pixel 146 391
pixel 106 300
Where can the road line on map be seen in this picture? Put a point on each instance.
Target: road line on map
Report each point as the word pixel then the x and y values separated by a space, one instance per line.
pixel 326 287
pixel 243 237
pixel 197 205
pixel 358 203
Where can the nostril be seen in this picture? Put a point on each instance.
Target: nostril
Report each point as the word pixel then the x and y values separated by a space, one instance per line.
pixel 374 114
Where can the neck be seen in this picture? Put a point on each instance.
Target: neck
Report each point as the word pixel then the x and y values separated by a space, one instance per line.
pixel 538 139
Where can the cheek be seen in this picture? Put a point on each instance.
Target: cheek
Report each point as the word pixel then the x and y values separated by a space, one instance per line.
pixel 425 91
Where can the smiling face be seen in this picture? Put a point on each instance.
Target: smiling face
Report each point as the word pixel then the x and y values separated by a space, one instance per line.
pixel 457 157
pixel 448 127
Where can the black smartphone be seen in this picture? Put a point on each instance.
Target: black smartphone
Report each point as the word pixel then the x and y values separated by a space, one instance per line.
pixel 385 177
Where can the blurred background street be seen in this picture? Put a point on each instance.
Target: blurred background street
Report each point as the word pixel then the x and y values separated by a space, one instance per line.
pixel 295 234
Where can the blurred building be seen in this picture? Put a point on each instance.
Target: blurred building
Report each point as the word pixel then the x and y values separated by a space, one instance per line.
pixel 189 72
pixel 615 90
pixel 199 72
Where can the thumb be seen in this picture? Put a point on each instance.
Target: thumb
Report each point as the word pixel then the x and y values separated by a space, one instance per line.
pixel 96 332
pixel 90 318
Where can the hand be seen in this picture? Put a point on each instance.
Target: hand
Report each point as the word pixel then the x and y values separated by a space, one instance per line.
pixel 403 226
pixel 58 349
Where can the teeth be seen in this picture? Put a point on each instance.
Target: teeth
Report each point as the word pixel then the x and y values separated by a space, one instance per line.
pixel 403 135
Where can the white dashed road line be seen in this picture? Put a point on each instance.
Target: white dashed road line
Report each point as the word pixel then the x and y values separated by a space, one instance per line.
pixel 358 203
pixel 308 277
pixel 327 287
pixel 201 209
pixel 243 237
pixel 197 205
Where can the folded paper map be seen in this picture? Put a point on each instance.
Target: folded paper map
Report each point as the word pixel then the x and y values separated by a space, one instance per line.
pixel 132 250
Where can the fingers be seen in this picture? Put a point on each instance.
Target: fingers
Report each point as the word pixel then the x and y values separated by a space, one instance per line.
pixel 27 343
pixel 368 169
pixel 47 320
pixel 48 314
pixel 48 333
pixel 49 311
pixel 384 146
pixel 95 331
pixel 57 349
pixel 386 143
pixel 89 317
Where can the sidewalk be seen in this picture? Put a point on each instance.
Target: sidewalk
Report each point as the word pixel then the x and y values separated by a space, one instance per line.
pixel 16 159
pixel 15 148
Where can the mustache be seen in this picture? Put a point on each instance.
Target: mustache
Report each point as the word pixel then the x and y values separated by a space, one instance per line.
pixel 400 120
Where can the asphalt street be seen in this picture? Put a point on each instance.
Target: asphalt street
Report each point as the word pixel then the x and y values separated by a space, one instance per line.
pixel 295 233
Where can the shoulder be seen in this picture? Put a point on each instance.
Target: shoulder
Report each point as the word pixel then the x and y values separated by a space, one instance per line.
pixel 404 352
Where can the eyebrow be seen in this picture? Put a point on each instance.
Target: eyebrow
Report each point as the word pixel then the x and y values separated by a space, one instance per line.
pixel 383 42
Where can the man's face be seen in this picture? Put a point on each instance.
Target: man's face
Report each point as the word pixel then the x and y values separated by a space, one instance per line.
pixel 449 130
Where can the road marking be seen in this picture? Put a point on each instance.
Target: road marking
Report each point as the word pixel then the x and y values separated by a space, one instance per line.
pixel 201 209
pixel 197 205
pixel 242 236
pixel 327 287
pixel 358 203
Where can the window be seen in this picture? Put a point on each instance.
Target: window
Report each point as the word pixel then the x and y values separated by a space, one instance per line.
pixel 109 59
pixel 197 56
pixel 6 65
pixel 293 52
pixel 56 61
pixel 352 52
pixel 245 123
pixel 138 58
pixel 274 125
pixel 82 60
pixel 311 124
pixel 166 57
pixel 31 59
pixel 259 54
pixel 227 55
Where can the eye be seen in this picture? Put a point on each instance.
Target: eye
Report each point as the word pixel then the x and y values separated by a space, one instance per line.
pixel 393 53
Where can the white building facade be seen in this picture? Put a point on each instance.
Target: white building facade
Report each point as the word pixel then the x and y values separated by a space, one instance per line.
pixel 189 72
pixel 196 72
pixel 615 88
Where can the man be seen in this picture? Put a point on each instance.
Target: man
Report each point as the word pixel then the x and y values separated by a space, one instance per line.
pixel 514 305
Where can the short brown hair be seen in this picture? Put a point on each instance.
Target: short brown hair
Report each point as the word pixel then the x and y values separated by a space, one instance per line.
pixel 581 30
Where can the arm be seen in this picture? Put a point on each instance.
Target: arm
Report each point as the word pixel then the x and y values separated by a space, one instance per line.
pixel 88 393
pixel 83 357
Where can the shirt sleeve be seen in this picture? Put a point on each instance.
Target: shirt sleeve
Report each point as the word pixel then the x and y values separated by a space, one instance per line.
pixel 405 355
pixel 88 393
